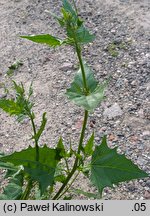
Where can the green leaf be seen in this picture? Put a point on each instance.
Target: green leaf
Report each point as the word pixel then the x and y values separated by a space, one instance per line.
pixel 10 107
pixel 30 90
pixel 87 194
pixel 42 171
pixel 42 127
pixel 67 6
pixel 60 178
pixel 61 148
pixel 76 31
pixel 20 91
pixel 20 106
pixel 67 198
pixel 88 149
pixel 76 91
pixel 83 35
pixel 108 167
pixel 79 35
pixel 44 39
pixel 11 192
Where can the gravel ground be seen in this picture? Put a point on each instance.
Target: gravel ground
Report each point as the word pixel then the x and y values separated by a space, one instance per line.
pixel 121 49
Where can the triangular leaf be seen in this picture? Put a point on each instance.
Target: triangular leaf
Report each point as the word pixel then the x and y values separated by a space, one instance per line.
pixel 108 167
pixel 61 148
pixel 84 36
pixel 76 91
pixel 44 39
pixel 88 149
pixel 41 171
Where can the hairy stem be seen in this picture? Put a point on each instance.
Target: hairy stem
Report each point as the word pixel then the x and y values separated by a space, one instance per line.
pixel 77 157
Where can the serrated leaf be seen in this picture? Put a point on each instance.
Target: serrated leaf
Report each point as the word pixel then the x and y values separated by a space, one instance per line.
pixel 10 107
pixel 42 127
pixel 108 167
pixel 42 171
pixel 80 35
pixel 76 91
pixel 83 35
pixel 20 106
pixel 88 149
pixel 44 39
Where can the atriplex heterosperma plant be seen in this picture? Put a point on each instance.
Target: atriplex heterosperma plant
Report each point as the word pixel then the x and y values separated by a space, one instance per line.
pixel 38 169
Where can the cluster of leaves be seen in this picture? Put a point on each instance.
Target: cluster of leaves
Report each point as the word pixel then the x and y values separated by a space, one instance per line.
pixel 75 30
pixel 44 166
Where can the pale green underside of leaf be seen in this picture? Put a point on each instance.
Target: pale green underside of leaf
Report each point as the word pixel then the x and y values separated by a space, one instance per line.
pixel 13 190
pixel 44 39
pixel 42 171
pixel 108 167
pixel 76 91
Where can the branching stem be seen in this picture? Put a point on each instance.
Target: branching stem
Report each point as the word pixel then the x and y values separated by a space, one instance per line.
pixel 75 166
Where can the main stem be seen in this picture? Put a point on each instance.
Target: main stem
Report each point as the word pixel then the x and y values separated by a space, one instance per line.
pixel 75 166
pixel 78 50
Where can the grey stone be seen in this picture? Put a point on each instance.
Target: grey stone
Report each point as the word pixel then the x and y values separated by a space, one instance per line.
pixel 148 183
pixel 113 111
pixel 66 66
